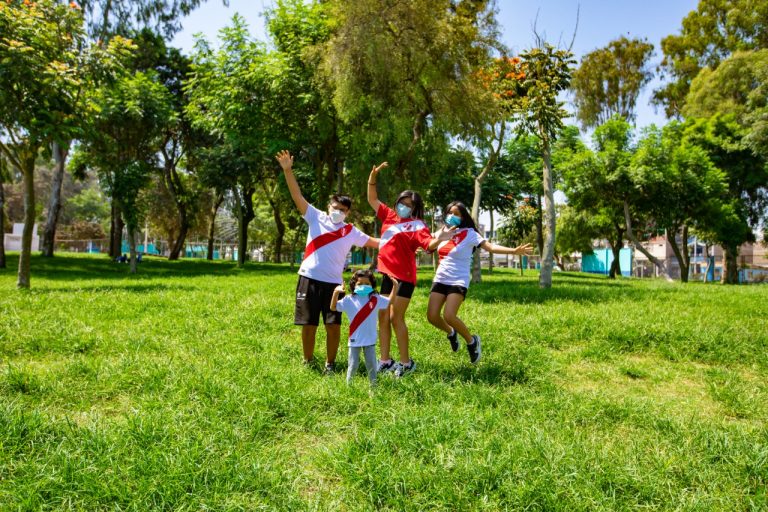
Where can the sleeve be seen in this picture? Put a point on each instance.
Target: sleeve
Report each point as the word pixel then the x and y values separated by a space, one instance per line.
pixel 382 303
pixel 358 237
pixel 478 238
pixel 385 213
pixel 423 237
pixel 342 305
pixel 311 214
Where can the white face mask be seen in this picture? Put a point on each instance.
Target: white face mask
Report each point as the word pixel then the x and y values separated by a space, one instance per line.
pixel 337 216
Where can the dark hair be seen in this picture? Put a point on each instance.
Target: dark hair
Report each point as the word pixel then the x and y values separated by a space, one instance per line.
pixel 362 273
pixel 342 199
pixel 466 217
pixel 418 204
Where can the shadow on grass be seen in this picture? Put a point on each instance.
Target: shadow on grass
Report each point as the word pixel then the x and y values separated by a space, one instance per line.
pixel 486 372
pixel 131 288
pixel 68 267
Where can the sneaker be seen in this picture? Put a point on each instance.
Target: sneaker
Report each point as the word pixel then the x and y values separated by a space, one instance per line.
pixel 454 339
pixel 330 369
pixel 474 349
pixel 386 366
pixel 404 369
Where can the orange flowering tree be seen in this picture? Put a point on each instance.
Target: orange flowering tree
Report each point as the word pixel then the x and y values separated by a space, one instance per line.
pixel 48 71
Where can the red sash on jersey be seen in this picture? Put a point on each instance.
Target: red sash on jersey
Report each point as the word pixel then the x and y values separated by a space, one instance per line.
pixel 326 238
pixel 361 315
pixel 452 243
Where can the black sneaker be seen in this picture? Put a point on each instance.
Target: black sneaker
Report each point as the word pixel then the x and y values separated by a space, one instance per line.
pixel 454 339
pixel 330 369
pixel 386 366
pixel 474 349
pixel 404 369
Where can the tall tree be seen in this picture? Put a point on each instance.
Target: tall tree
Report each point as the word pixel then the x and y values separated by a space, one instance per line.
pixel 4 177
pixel 45 60
pixel 609 80
pixel 709 34
pixel 540 112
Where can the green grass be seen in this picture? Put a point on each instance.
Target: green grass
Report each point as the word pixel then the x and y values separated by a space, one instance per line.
pixel 181 388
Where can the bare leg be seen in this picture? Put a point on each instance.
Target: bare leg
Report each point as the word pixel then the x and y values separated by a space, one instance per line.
pixel 399 307
pixel 436 301
pixel 332 335
pixel 452 304
pixel 308 341
pixel 385 333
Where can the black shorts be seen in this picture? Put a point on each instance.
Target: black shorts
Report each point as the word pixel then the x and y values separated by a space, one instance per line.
pixel 447 289
pixel 405 290
pixel 313 298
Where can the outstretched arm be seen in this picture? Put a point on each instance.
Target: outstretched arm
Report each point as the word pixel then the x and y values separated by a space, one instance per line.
pixel 525 249
pixel 286 162
pixel 373 243
pixel 373 196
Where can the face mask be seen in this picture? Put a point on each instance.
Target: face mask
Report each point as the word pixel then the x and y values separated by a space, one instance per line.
pixel 337 216
pixel 403 211
pixel 363 289
pixel 453 220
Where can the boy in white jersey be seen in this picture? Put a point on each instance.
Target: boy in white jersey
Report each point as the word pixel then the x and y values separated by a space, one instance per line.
pixel 362 309
pixel 449 286
pixel 329 240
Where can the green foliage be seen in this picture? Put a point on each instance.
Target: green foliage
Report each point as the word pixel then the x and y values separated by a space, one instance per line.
pixel 609 80
pixel 709 35
pixel 183 389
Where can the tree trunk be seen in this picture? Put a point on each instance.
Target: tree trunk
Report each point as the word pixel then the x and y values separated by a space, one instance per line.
pixel 550 219
pixel 176 190
pixel 539 225
pixel 295 242
pixel 616 251
pixel 479 179
pixel 245 215
pixel 212 227
pixel 710 263
pixel 132 248
pixel 115 231
pixel 730 267
pixel 178 244
pixel 28 171
pixel 280 230
pixel 683 257
pixel 54 205
pixel 3 263
pixel 659 264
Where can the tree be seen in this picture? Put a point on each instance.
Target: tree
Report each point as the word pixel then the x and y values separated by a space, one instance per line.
pixel 609 80
pixel 4 177
pixel 710 34
pixel 539 112
pixel 45 60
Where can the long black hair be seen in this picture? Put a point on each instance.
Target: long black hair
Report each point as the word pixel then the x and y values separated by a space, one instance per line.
pixel 362 273
pixel 466 217
pixel 418 204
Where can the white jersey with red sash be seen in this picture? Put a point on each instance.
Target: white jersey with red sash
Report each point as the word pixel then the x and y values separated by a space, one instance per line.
pixel 362 313
pixel 400 238
pixel 456 257
pixel 327 246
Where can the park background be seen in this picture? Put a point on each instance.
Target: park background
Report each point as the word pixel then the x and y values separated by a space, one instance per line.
pixel 176 383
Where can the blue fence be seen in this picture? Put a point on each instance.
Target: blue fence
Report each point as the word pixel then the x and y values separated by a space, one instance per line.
pixel 599 262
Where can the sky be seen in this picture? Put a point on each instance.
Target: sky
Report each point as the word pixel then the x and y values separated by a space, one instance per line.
pixel 599 22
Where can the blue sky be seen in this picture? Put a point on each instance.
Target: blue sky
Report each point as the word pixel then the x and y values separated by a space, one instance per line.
pixel 600 21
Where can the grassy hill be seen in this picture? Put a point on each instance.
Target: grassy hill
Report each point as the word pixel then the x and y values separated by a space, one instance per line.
pixel 182 388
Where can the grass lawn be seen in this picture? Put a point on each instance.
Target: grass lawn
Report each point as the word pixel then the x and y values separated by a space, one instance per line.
pixel 182 388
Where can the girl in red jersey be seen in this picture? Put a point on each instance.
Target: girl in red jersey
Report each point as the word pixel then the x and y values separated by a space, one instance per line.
pixel 449 287
pixel 403 231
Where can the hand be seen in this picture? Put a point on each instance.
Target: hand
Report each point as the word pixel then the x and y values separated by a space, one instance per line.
pixel 376 168
pixel 445 233
pixel 339 289
pixel 395 283
pixel 525 249
pixel 285 159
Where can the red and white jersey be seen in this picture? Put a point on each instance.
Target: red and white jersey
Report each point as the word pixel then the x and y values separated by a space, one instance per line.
pixel 363 315
pixel 456 257
pixel 327 246
pixel 399 240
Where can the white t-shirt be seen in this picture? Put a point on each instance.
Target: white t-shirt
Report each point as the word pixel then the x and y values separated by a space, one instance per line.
pixel 365 334
pixel 456 257
pixel 325 261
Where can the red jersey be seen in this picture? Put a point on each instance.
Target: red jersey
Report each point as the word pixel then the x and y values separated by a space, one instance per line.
pixel 399 240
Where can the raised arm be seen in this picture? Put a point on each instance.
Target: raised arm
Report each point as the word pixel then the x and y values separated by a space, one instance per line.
pixel 525 249
pixel 286 162
pixel 373 196
pixel 335 298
